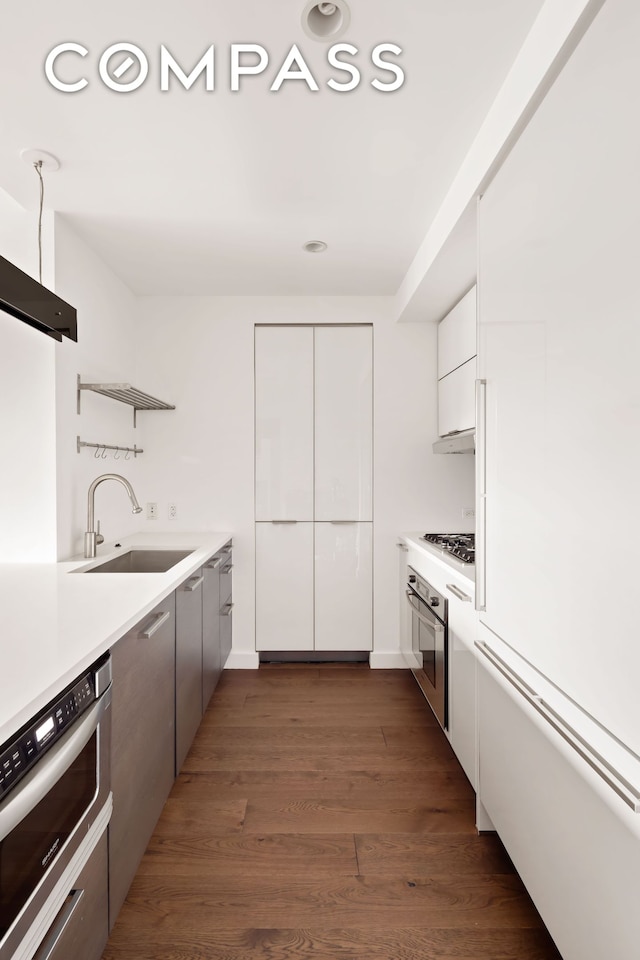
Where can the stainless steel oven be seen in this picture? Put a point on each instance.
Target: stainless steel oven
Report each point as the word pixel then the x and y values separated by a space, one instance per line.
pixel 429 643
pixel 54 787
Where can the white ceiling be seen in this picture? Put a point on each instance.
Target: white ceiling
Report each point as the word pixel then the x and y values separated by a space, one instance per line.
pixel 215 192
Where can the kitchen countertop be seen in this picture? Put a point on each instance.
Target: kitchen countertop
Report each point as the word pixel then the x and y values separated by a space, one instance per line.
pixel 444 559
pixel 54 623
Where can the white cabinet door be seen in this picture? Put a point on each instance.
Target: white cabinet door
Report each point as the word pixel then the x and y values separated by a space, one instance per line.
pixel 284 586
pixel 343 423
pixel 457 399
pixel 343 580
pixel 457 335
pixel 284 423
pixel 462 676
pixel 559 248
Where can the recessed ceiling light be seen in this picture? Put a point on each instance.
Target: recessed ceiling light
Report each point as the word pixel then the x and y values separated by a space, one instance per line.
pixel 326 21
pixel 315 246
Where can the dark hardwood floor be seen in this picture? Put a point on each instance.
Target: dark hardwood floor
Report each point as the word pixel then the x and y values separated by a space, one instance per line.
pixel 322 814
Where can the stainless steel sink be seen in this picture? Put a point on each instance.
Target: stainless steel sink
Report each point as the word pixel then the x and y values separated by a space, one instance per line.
pixel 140 561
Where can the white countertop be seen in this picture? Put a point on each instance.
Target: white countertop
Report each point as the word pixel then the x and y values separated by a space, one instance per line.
pixel 54 623
pixel 448 562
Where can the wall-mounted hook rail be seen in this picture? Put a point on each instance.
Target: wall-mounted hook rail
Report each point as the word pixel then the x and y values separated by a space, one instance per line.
pixel 135 450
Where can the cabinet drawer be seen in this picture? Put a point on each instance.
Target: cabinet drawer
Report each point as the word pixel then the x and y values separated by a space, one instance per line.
pixel 226 620
pixel 80 928
pixel 225 579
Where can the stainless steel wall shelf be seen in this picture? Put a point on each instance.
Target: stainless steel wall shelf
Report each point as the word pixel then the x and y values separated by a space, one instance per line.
pixel 125 393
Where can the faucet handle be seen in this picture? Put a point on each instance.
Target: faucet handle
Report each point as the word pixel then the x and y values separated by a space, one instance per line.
pixel 99 537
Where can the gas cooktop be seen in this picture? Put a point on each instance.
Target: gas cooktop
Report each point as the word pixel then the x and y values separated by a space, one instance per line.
pixel 460 545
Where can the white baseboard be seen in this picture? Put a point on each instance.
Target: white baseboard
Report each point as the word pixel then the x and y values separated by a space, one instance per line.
pixel 242 661
pixel 390 660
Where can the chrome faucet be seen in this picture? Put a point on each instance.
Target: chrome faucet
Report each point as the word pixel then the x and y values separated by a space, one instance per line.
pixel 92 537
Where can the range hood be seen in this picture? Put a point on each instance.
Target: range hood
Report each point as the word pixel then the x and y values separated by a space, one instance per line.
pixel 27 300
pixel 462 442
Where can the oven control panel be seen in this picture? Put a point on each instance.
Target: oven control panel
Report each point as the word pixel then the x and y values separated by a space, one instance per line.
pixel 18 755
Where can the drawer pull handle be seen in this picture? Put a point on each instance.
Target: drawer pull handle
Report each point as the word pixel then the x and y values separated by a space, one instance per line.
pixel 193 583
pixel 612 777
pixel 458 593
pixel 227 569
pixel 226 610
pixel 156 623
pixel 214 564
pixel 60 924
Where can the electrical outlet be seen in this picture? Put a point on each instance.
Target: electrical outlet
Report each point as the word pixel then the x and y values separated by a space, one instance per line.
pixel 172 511
pixel 152 511
pixel 468 513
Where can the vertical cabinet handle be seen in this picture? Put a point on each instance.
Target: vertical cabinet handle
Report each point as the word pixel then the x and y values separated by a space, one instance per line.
pixel 481 487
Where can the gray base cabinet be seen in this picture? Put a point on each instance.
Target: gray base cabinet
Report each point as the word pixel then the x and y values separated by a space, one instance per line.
pixel 143 742
pixel 188 663
pixel 216 620
pixel 81 927
pixel 226 607
pixel 211 661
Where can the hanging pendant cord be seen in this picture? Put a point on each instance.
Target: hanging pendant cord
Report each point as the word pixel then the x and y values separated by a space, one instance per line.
pixel 38 169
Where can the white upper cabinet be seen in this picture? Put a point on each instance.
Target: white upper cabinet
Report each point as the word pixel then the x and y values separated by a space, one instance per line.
pixel 457 399
pixel 343 423
pixel 284 423
pixel 457 335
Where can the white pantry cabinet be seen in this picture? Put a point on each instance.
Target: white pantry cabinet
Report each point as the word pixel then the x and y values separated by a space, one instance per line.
pixel 284 586
pixel 314 445
pixel 284 423
pixel 343 423
pixel 343 586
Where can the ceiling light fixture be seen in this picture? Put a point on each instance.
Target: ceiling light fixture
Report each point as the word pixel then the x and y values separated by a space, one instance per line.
pixel 315 246
pixel 326 21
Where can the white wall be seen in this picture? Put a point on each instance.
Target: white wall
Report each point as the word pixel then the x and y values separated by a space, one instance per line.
pixel 197 352
pixel 27 406
pixel 105 352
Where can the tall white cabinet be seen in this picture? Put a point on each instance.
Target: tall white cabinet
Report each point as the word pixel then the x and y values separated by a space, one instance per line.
pixel 313 482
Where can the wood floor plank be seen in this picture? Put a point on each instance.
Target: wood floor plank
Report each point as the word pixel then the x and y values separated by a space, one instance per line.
pixel 428 786
pixel 316 714
pixel 482 901
pixel 181 818
pixel 431 855
pixel 340 816
pixel 251 855
pixel 322 943
pixel 316 739
pixel 203 757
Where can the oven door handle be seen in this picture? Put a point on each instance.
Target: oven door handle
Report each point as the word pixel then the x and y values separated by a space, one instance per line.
pixel 46 773
pixel 428 623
